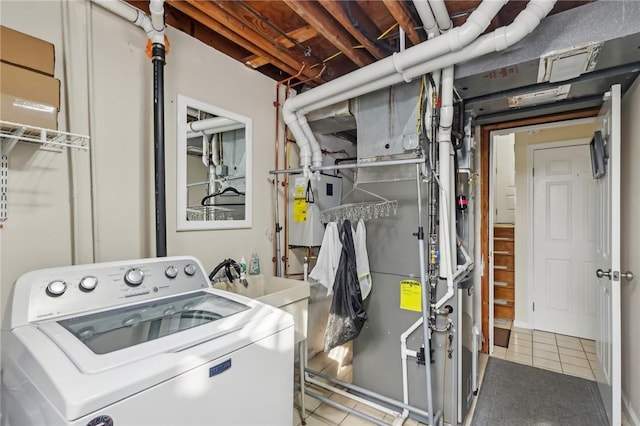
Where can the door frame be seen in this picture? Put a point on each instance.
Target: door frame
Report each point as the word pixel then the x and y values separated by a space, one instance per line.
pixel 531 149
pixel 485 173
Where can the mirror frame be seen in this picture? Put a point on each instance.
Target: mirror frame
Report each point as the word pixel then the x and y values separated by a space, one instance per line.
pixel 181 168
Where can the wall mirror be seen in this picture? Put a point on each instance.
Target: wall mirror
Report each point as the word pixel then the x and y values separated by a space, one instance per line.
pixel 214 167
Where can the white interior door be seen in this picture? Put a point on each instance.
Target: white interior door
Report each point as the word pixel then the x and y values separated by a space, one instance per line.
pixel 564 241
pixel 505 178
pixel 608 260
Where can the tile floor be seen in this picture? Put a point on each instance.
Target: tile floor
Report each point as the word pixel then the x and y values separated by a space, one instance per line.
pixel 550 351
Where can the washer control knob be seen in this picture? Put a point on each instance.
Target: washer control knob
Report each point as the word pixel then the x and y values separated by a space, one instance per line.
pixel 56 288
pixel 88 283
pixel 171 272
pixel 134 277
pixel 190 269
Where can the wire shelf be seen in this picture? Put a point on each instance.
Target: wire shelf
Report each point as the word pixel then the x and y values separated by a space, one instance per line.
pixel 208 213
pixel 11 133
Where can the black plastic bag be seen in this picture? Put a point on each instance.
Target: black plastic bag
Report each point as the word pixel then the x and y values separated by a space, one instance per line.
pixel 347 315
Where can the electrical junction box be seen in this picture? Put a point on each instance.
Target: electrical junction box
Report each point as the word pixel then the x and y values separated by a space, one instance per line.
pixel 307 198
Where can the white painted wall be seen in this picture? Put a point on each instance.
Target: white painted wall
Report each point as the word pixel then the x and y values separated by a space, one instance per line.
pixel 38 232
pixel 504 178
pixel 630 222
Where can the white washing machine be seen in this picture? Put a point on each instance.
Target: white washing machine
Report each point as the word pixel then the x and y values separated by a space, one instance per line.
pixel 143 342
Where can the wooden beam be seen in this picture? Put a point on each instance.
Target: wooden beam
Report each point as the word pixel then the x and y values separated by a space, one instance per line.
pixel 399 11
pixel 485 152
pixel 334 33
pixel 240 31
pixel 214 25
pixel 336 9
pixel 300 35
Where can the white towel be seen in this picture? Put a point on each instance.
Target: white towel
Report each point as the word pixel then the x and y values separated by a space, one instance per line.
pixel 327 264
pixel 362 259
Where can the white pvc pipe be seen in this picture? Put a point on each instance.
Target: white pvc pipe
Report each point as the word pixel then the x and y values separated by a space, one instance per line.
pixel 373 77
pixel 339 89
pixel 153 26
pixel 426 16
pixel 214 124
pixel 441 14
pixel 445 150
pixel 404 353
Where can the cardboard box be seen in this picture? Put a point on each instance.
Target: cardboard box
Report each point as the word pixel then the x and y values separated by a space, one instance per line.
pixel 28 97
pixel 25 51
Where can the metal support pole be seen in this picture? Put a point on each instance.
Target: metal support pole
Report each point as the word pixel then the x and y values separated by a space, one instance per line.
pixel 405 161
pixel 426 305
pixel 278 228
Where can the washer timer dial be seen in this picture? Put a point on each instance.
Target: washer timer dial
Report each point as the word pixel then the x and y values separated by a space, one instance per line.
pixel 171 272
pixel 190 269
pixel 134 277
pixel 88 283
pixel 56 288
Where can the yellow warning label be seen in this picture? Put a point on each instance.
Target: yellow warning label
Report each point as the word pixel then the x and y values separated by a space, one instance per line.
pixel 410 296
pixel 299 210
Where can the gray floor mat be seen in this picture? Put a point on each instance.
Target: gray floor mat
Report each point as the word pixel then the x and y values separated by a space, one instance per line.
pixel 516 394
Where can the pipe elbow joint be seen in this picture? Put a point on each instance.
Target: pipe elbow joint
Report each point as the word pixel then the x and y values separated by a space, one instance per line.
pixel 288 115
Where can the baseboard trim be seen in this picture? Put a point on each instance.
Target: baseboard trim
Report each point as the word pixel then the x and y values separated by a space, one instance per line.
pixel 628 409
pixel 521 324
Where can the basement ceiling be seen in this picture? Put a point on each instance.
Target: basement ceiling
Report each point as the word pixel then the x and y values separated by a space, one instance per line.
pixel 318 40
pixel 310 42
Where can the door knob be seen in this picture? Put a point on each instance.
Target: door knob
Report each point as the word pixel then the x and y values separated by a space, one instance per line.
pixel 628 275
pixel 600 273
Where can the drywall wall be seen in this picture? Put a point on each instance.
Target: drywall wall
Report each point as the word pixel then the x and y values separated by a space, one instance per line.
pixel 525 138
pixel 630 226
pixel 39 232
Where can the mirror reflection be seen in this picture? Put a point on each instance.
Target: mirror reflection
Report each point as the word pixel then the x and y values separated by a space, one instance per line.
pixel 213 155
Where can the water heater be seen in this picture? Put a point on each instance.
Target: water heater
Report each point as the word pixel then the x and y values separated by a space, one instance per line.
pixel 307 198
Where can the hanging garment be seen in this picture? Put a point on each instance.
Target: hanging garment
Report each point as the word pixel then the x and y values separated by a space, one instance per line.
pixel 327 263
pixel 362 259
pixel 347 315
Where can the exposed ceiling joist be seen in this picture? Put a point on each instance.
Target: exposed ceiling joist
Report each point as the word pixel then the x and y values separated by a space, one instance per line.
pixel 283 59
pixel 401 14
pixel 337 10
pixel 316 16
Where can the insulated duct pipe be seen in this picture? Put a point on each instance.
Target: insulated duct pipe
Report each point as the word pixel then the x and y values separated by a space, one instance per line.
pixel 373 77
pixel 154 27
pixel 347 87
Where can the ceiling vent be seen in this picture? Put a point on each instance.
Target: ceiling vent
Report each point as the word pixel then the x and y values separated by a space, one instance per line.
pixel 567 64
pixel 540 97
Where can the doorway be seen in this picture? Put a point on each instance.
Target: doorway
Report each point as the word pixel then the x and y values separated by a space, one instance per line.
pixel 529 131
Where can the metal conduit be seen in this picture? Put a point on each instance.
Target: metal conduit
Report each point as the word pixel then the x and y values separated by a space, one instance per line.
pixel 158 59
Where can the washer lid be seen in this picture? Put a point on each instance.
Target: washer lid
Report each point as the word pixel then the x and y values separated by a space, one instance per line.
pixel 99 341
pixel 110 331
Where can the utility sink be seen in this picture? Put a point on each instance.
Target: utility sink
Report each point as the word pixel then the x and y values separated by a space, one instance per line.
pixel 291 296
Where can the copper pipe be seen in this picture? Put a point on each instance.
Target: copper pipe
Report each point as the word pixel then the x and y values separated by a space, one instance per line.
pixel 324 67
pixel 276 104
